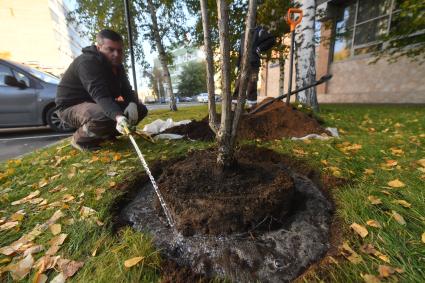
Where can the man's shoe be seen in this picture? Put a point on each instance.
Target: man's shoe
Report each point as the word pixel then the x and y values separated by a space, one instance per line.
pixel 83 148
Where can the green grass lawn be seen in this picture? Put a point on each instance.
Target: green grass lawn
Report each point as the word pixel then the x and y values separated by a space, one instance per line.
pixel 378 144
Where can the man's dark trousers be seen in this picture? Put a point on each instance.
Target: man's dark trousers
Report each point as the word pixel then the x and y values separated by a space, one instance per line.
pixel 92 125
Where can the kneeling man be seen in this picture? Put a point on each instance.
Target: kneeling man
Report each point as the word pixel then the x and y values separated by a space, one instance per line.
pixel 95 95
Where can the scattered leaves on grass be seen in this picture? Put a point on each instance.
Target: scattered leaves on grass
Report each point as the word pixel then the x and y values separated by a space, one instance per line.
pixel 402 202
pixel 385 271
pixel 69 267
pixel 373 223
pixel 60 278
pixel 396 184
pixel 8 225
pixel 374 200
pixel 397 151
pixel 359 229
pixel 99 193
pixel 21 269
pixel 55 244
pixel 55 229
pixel 33 250
pixel 18 215
pixel 46 262
pixel 27 198
pixel 369 278
pixel 133 261
pixel 398 218
pixel 86 212
pixel 350 254
pixel 370 250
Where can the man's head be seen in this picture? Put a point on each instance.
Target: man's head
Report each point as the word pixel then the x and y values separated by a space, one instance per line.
pixel 110 44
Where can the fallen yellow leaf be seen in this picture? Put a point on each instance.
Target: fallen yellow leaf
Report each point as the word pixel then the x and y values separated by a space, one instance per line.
pixel 374 200
pixel 396 183
pixel 133 261
pixel 8 225
pixel 350 254
pixel 385 271
pixel 55 244
pixel 359 229
pixel 398 218
pixel 391 163
pixel 421 162
pixel 21 269
pixel 27 198
pixel 55 229
pixel 69 267
pixel 373 223
pixel 402 203
pixel 369 278
pixel 423 237
pixel 60 278
pixel 86 212
pixel 368 171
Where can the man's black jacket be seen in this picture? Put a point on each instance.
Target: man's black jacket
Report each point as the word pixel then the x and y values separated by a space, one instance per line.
pixel 89 78
pixel 262 40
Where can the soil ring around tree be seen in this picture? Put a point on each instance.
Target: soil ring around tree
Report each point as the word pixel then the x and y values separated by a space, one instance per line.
pixel 253 242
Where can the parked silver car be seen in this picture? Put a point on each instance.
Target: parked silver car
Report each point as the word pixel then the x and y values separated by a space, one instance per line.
pixel 27 97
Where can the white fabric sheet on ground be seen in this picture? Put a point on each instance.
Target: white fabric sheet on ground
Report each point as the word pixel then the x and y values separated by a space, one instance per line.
pixel 159 125
pixel 333 131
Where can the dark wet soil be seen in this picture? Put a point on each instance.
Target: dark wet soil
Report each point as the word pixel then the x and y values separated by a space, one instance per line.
pixel 273 122
pixel 278 252
pixel 251 195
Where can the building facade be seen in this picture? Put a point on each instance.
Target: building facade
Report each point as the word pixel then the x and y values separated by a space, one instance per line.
pixel 349 34
pixel 36 33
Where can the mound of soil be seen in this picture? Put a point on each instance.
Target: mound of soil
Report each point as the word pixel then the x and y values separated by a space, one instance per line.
pixel 276 121
pixel 195 130
pixel 205 200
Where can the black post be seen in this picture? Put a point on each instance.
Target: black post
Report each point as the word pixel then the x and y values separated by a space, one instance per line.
pixel 291 66
pixel 130 43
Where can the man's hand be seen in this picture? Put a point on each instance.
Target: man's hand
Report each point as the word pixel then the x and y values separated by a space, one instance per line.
pixel 122 124
pixel 132 114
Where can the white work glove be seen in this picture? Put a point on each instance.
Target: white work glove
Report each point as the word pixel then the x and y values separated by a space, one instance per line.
pixel 131 112
pixel 122 123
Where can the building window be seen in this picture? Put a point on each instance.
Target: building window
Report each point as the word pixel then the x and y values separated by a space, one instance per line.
pixel 360 26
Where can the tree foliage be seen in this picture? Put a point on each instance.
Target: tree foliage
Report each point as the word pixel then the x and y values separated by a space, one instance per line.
pixel 270 14
pixel 407 33
pixel 192 79
pixel 95 15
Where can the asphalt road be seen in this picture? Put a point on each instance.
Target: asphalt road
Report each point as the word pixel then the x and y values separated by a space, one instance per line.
pixel 15 142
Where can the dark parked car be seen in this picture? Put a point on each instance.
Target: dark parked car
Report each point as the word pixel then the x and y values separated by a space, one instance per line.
pixel 27 97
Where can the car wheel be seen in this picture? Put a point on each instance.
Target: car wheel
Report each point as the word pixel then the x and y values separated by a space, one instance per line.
pixel 55 123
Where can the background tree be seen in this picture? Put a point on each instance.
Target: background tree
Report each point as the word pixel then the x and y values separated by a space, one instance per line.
pixel 406 36
pixel 192 79
pixel 161 22
pixel 305 55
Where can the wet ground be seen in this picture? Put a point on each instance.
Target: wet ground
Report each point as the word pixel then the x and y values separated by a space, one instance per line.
pixel 277 255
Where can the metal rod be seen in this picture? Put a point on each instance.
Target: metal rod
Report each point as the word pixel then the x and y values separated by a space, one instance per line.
pixel 130 43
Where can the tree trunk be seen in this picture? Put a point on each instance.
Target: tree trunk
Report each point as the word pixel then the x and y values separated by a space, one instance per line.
pixel 281 73
pixel 305 54
pixel 212 112
pixel 225 151
pixel 162 55
pixel 245 68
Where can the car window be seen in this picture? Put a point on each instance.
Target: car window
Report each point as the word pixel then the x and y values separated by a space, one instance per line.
pixel 4 71
pixel 21 77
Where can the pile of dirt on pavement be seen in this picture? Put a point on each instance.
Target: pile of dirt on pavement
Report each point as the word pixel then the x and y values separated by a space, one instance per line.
pixel 249 196
pixel 276 121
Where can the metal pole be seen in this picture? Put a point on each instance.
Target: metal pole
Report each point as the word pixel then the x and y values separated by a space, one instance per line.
pixel 291 64
pixel 130 43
